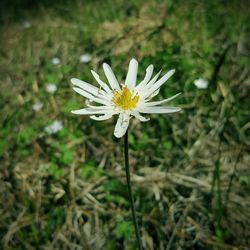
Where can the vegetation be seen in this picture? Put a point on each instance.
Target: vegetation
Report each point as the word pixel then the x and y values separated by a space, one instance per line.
pixel 190 171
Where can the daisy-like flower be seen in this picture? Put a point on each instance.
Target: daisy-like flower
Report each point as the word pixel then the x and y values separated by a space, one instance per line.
pixel 54 127
pixel 126 100
pixel 37 106
pixel 51 88
pixel 85 58
pixel 201 83
pixel 55 60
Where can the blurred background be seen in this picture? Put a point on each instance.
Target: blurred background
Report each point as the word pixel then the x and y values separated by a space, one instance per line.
pixel 62 178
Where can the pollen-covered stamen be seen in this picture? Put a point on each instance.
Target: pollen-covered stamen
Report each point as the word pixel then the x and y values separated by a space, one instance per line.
pixel 125 98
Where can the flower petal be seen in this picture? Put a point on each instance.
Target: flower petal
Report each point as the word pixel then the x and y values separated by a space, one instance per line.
pixel 121 125
pixel 147 104
pixel 106 107
pixel 144 91
pixel 91 97
pixel 137 115
pixel 111 77
pixel 153 80
pixel 154 94
pixel 85 86
pixel 132 74
pixel 149 72
pixel 158 110
pixel 91 89
pixel 91 111
pixel 100 82
pixel 101 117
pixel 159 83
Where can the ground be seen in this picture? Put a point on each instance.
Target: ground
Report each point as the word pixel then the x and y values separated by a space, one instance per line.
pixel 190 170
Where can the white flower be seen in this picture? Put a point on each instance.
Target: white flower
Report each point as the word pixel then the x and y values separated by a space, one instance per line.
pixel 37 106
pixel 201 83
pixel 125 100
pixel 26 24
pixel 55 60
pixel 85 58
pixel 54 127
pixel 51 88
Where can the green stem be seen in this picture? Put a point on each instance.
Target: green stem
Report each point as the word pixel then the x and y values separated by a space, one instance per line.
pixel 130 191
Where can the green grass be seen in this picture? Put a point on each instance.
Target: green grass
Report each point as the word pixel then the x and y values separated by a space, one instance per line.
pixel 190 170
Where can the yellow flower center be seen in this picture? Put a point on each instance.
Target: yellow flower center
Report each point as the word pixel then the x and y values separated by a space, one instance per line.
pixel 124 99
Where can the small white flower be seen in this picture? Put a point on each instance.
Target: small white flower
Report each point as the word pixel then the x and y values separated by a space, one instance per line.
pixel 85 58
pixel 37 106
pixel 201 83
pixel 26 24
pixel 54 127
pixel 126 100
pixel 55 60
pixel 51 88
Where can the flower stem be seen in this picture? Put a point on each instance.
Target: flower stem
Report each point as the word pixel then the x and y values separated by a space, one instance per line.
pixel 130 192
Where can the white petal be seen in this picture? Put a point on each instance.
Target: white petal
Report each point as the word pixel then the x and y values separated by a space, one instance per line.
pixel 121 125
pixel 100 82
pixel 91 97
pixel 149 72
pixel 137 115
pixel 91 89
pixel 101 117
pixel 132 74
pixel 111 77
pixel 146 104
pixel 85 86
pixel 155 93
pixel 90 111
pixel 146 89
pixel 153 80
pixel 160 82
pixel 100 107
pixel 158 110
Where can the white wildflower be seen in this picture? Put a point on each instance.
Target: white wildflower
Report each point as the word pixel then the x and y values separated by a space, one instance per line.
pixel 201 83
pixel 37 106
pixel 51 88
pixel 85 58
pixel 125 100
pixel 55 60
pixel 54 127
pixel 26 24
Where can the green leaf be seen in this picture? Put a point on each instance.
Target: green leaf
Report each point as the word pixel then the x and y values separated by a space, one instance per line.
pixel 168 145
pixel 70 105
pixel 55 170
pixel 131 139
pixel 26 135
pixel 67 157
pixel 124 229
pixel 3 146
pixel 66 69
pixel 56 218
pixel 63 133
pixel 116 199
pixel 51 78
pixel 114 186
pixel 244 180
pixel 89 170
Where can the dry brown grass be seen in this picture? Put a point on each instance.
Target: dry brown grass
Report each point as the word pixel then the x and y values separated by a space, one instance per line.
pixel 191 193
